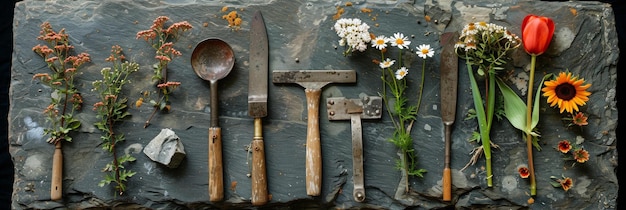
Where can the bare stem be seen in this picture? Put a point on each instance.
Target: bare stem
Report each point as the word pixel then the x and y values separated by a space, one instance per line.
pixel 529 138
pixel 150 118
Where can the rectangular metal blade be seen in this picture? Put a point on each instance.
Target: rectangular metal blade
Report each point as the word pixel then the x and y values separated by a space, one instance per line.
pixel 258 72
pixel 324 76
pixel 449 69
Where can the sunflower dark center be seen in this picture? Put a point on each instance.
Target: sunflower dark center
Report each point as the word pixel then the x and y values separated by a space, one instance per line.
pixel 565 91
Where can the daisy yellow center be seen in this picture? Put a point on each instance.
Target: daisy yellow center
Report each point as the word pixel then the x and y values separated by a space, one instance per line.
pixel 400 41
pixel 402 73
pixel 565 91
pixel 380 42
pixel 424 51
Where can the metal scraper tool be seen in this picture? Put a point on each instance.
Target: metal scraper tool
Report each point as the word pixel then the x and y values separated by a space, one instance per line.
pixel 366 107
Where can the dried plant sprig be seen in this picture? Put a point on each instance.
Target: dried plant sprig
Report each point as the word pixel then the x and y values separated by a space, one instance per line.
pixel 110 110
pixel 65 99
pixel 485 46
pixel 162 40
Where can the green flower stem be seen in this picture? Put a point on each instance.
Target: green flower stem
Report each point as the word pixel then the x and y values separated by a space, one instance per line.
pixel 482 123
pixel 529 138
pixel 419 96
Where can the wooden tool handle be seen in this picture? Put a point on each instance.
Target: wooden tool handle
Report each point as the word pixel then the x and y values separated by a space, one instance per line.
pixel 56 187
pixel 259 177
pixel 313 145
pixel 216 179
pixel 447 176
pixel 447 185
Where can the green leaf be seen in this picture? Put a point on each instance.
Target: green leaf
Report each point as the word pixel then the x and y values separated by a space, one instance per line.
pixel 555 184
pixel 535 114
pixel 514 107
pixel 480 112
pixel 73 124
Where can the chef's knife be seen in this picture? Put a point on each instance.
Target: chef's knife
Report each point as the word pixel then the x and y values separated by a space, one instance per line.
pixel 448 86
pixel 257 104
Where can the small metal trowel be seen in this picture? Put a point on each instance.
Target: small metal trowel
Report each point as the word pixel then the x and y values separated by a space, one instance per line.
pixel 366 107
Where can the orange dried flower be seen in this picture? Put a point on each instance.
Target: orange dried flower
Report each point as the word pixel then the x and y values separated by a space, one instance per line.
pixel 168 84
pixel 52 59
pixel 579 119
pixel 523 172
pixel 581 155
pixel 565 146
pixel 566 183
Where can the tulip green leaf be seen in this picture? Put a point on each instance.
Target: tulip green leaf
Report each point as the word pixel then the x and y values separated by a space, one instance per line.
pixel 515 108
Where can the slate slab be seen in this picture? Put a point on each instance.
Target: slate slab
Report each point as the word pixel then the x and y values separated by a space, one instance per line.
pixel 301 37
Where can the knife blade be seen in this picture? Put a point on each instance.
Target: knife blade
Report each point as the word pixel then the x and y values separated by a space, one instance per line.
pixel 257 104
pixel 448 85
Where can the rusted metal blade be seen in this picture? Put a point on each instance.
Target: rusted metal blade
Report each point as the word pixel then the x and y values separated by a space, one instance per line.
pixel 449 69
pixel 259 62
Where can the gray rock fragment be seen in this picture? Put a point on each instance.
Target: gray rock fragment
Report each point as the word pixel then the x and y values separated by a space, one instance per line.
pixel 166 148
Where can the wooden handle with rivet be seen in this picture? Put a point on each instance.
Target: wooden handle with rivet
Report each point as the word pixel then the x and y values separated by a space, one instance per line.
pixel 259 177
pixel 56 187
pixel 216 177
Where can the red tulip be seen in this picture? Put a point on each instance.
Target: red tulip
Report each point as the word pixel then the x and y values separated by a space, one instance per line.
pixel 537 33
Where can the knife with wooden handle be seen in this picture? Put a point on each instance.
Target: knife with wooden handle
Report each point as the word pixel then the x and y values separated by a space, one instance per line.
pixel 257 104
pixel 449 78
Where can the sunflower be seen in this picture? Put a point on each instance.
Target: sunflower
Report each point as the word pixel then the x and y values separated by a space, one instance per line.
pixel 567 92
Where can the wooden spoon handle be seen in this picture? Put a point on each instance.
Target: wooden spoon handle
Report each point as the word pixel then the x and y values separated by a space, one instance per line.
pixel 216 179
pixel 56 187
pixel 259 177
pixel 313 145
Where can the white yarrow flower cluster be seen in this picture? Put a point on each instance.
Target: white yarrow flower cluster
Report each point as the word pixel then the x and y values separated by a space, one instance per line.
pixel 353 33
pixel 473 33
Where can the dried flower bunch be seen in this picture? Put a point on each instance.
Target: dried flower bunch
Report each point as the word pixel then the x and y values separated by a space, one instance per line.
pixel 579 154
pixel 234 20
pixel 65 99
pixel 111 109
pixel 485 48
pixel 355 36
pixel 162 40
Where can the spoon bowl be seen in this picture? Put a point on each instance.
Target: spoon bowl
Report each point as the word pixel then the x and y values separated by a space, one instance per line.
pixel 212 59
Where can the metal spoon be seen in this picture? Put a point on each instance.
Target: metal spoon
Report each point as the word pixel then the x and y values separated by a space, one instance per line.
pixel 213 59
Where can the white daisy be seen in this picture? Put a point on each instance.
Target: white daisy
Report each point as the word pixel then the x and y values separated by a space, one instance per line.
pixel 400 41
pixel 387 63
pixel 424 51
pixel 401 73
pixel 380 42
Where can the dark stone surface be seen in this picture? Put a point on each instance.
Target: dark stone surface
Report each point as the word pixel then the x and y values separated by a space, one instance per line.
pixel 585 43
